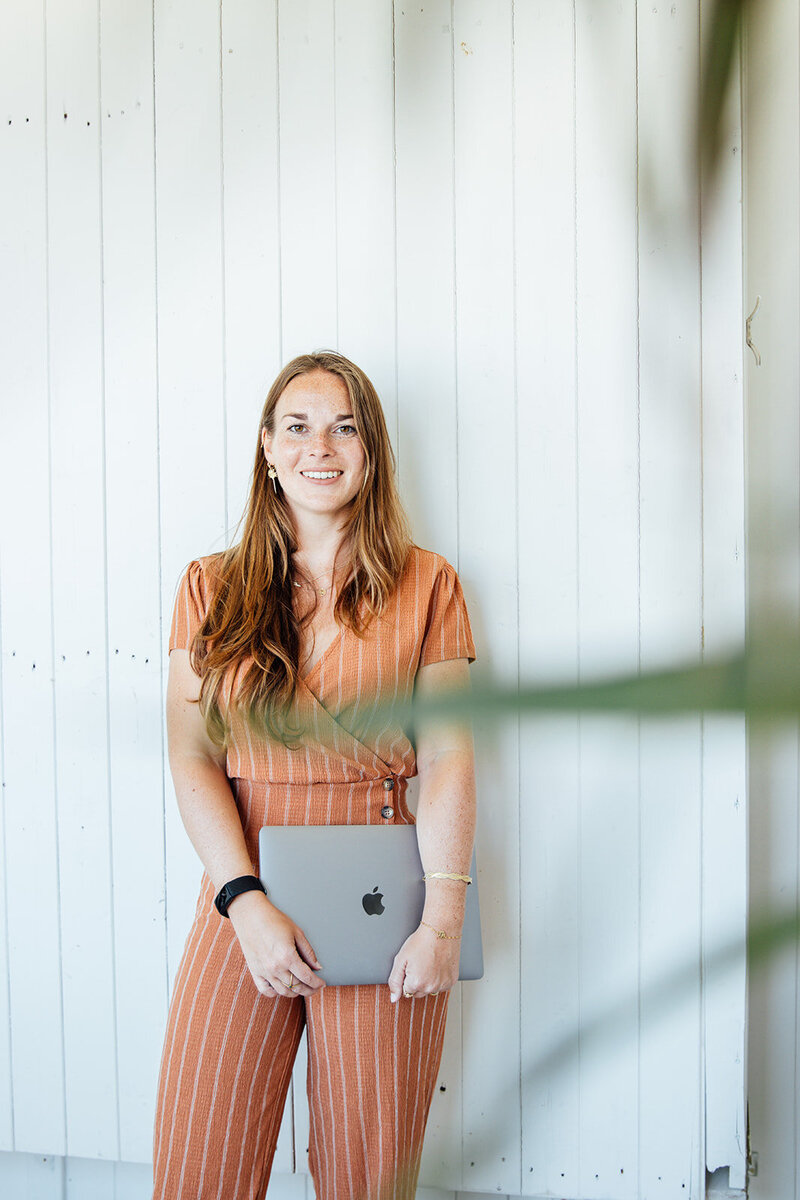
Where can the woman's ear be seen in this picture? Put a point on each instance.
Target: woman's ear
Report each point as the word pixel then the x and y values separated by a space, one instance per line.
pixel 266 443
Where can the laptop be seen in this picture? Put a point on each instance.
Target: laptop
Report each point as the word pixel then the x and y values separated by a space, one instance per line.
pixel 357 892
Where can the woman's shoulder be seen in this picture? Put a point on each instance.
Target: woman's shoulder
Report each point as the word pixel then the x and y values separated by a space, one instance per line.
pixel 194 593
pixel 203 569
pixel 427 564
pixel 436 599
pixel 199 578
pixel 425 576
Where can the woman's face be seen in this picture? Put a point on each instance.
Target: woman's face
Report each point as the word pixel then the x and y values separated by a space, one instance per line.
pixel 314 445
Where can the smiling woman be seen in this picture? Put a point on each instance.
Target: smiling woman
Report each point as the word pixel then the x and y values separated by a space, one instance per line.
pixel 312 445
pixel 280 648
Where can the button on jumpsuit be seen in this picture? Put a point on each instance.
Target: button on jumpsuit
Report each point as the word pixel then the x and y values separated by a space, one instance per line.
pixel 229 1050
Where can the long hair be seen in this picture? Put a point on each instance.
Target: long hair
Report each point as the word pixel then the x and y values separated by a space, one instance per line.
pixel 251 634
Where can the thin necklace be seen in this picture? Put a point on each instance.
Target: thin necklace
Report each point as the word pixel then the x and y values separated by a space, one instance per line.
pixel 312 581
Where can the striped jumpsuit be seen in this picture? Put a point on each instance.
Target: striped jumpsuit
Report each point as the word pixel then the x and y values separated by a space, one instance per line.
pixel 229 1050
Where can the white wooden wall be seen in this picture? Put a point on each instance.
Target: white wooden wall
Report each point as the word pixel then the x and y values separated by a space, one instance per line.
pixel 492 207
pixel 772 209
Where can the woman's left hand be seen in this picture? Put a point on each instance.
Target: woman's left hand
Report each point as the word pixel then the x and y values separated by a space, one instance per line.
pixel 424 965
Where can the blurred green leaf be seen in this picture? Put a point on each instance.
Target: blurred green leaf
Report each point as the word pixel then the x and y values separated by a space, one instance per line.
pixel 720 61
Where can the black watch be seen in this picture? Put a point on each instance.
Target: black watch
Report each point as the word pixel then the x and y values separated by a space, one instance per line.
pixel 229 891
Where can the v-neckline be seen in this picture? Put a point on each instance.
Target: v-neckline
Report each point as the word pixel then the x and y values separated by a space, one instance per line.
pixel 337 639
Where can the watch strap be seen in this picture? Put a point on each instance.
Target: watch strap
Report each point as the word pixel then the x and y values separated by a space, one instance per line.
pixel 235 887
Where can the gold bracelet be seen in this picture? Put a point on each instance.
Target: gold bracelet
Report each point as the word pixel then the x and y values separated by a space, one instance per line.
pixel 446 875
pixel 440 933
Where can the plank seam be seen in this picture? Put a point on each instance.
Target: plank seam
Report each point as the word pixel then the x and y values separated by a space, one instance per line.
pixel 104 485
pixel 278 157
pixel 223 279
pixel 703 1046
pixel 5 876
pixel 335 174
pixel 394 220
pixel 159 505
pixel 578 664
pixel 639 898
pixel 518 720
pixel 57 845
pixel 455 267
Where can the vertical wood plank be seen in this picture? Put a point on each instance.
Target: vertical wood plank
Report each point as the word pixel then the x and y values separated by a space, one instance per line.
pixel 365 194
pixel 548 589
pixel 772 237
pixel 773 1042
pixel 307 175
pixel 670 1116
pixel 132 540
pixel 6 1092
pixel 608 565
pixel 35 1046
pixel 79 577
pixel 427 414
pixel 427 419
pixel 252 329
pixel 190 344
pixel 725 802
pixel 425 273
pixel 487 498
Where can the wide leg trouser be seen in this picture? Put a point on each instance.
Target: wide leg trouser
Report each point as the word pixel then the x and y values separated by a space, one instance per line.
pixel 227 1063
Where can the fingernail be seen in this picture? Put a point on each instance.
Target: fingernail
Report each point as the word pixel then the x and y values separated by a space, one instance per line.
pixel 393 998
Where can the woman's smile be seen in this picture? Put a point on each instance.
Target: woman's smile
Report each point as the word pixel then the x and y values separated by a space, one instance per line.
pixel 314 437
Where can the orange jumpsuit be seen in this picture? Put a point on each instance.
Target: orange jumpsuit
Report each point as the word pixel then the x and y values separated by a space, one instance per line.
pixel 229 1050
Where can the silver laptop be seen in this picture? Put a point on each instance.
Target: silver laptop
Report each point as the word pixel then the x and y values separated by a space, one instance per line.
pixel 357 892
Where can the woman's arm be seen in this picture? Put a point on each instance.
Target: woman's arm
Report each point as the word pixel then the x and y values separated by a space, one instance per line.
pixel 427 964
pixel 274 947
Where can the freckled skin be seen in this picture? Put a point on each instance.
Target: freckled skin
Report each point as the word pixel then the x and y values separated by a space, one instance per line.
pixel 321 442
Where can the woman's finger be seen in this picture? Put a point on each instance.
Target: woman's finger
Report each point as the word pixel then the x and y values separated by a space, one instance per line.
pixel 412 986
pixel 306 976
pixel 288 984
pixel 306 950
pixel 395 980
pixel 282 987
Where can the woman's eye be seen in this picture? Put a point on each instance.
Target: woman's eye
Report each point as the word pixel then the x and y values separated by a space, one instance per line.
pixel 348 429
pixel 295 428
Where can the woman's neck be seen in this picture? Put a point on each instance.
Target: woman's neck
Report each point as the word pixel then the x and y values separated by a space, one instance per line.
pixel 318 543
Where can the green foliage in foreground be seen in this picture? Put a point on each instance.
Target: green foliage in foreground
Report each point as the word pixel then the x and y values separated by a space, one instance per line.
pixel 761 680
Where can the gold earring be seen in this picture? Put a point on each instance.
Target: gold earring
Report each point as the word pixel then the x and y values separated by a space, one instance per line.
pixel 273 474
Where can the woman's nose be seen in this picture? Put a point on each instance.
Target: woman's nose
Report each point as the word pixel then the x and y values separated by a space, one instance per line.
pixel 320 442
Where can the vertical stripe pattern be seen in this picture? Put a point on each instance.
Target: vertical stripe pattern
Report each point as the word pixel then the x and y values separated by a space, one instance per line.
pixel 228 1051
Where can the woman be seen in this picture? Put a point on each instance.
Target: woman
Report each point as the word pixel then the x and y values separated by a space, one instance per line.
pixel 279 649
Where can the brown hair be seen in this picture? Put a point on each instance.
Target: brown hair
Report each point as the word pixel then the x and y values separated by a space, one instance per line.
pixel 251 622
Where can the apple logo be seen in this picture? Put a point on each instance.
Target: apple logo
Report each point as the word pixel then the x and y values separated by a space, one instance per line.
pixel 372 902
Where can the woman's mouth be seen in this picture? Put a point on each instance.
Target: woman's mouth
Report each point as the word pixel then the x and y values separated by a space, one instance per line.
pixel 321 475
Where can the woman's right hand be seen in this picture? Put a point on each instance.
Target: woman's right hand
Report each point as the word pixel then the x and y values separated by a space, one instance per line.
pixel 276 950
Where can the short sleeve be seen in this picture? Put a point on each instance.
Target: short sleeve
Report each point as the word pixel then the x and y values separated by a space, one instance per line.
pixel 190 608
pixel 447 630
